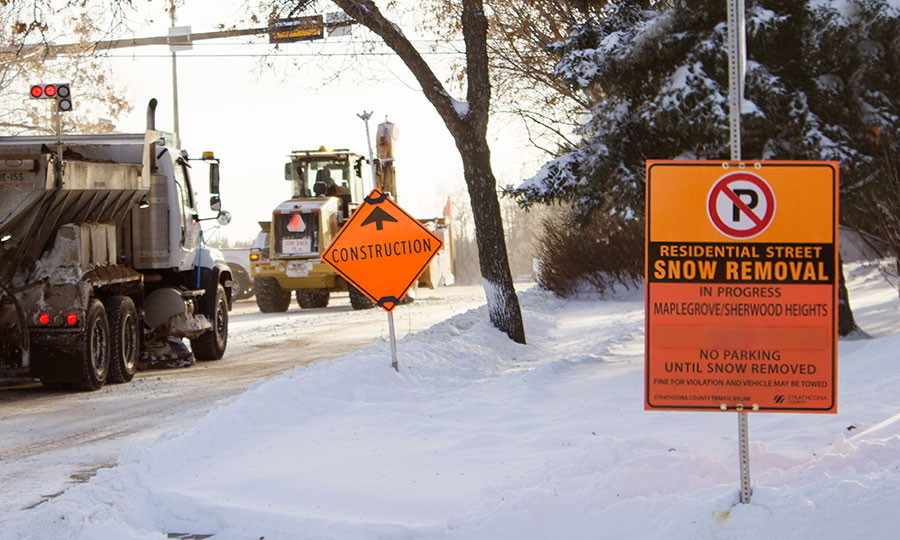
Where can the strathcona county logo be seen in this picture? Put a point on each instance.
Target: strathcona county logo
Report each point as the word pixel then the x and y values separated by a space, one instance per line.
pixel 779 398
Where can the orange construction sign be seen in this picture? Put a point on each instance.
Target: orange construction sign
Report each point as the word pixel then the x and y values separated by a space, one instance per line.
pixel 382 250
pixel 741 286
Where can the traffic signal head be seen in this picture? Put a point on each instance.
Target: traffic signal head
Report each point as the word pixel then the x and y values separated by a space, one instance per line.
pixel 63 97
pixel 58 91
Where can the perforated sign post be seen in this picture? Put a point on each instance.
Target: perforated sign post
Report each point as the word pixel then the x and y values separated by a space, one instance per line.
pixel 741 288
pixel 382 251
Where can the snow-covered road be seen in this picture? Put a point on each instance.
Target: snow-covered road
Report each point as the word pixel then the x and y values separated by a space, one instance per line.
pixel 49 440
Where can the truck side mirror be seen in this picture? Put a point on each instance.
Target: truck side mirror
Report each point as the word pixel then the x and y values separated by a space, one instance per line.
pixel 214 203
pixel 214 178
pixel 224 218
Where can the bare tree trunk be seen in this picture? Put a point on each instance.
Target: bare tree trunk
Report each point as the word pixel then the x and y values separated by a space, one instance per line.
pixel 846 322
pixel 503 304
pixel 467 122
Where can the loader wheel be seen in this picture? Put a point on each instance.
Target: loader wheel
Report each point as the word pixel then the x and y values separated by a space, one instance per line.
pixel 124 326
pixel 311 298
pixel 94 353
pixel 270 298
pixel 411 294
pixel 359 300
pixel 211 344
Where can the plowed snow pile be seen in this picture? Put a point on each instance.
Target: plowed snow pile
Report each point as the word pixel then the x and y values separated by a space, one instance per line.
pixel 481 438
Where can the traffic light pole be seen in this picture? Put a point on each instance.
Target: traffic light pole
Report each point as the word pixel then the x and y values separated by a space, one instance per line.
pixel 175 87
pixel 59 148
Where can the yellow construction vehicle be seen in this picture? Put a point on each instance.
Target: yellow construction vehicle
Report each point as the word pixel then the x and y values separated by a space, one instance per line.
pixel 327 186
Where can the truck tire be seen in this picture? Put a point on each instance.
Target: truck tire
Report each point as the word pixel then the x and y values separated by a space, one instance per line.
pixel 211 345
pixel 125 339
pixel 358 300
pixel 311 298
pixel 94 353
pixel 269 296
pixel 243 285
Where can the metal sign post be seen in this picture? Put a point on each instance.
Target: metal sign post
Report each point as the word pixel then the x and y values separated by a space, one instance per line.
pixel 394 363
pixel 736 54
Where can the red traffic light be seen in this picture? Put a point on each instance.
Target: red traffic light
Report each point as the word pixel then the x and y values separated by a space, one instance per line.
pixel 50 91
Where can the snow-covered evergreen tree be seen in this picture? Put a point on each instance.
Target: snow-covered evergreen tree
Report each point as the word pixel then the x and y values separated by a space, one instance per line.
pixel 823 82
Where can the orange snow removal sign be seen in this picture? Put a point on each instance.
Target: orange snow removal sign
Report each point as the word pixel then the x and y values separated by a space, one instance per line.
pixel 382 250
pixel 741 286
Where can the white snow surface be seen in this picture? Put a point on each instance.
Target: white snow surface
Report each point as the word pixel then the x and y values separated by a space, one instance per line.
pixel 480 438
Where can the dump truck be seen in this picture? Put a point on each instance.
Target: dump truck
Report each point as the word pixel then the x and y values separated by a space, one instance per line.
pixel 327 186
pixel 102 264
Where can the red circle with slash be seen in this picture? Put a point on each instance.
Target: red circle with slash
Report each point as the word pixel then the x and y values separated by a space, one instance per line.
pixel 733 202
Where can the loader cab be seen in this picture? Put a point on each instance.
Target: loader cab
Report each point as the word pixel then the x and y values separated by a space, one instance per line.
pixel 323 173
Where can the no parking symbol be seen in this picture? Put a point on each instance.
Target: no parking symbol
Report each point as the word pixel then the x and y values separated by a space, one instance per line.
pixel 741 205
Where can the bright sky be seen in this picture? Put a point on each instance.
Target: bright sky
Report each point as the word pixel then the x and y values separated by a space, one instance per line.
pixel 251 116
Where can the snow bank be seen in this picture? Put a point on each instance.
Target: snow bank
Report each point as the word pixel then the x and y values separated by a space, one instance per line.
pixel 480 438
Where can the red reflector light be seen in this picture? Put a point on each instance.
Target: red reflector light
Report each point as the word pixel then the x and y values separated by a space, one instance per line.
pixel 37 91
pixel 44 318
pixel 296 224
pixel 71 319
pixel 50 90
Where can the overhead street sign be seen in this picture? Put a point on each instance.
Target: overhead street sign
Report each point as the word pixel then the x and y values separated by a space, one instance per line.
pixel 741 286
pixel 297 29
pixel 382 250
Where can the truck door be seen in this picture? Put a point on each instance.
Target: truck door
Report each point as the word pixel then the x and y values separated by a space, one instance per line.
pixel 190 226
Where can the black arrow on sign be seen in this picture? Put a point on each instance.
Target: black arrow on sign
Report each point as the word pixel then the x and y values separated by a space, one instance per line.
pixel 378 217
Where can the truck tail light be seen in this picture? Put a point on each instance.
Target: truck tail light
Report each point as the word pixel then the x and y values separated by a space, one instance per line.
pixel 71 319
pixel 44 318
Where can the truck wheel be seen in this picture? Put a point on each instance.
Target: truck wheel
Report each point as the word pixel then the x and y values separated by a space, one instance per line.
pixel 311 298
pixel 124 338
pixel 269 296
pixel 94 353
pixel 211 345
pixel 243 286
pixel 359 300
